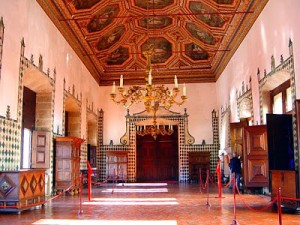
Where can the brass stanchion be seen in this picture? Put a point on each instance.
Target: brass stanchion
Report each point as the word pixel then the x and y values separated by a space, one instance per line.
pixel 279 206
pixel 234 222
pixel 207 187
pixel 80 195
pixel 200 179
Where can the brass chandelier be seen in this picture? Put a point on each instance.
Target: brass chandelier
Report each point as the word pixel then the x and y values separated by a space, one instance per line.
pixel 152 96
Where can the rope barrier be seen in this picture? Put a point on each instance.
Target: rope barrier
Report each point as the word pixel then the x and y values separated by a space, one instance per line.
pixel 228 184
pixel 291 199
pixel 254 209
pixel 203 186
pixel 36 204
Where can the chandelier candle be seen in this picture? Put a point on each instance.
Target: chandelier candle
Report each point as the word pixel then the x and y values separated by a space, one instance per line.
pixel 152 96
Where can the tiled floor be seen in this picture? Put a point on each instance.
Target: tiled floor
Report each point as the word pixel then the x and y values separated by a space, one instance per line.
pixel 152 204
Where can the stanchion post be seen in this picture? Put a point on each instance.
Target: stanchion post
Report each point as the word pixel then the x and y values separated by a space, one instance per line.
pixel 207 187
pixel 89 180
pixel 279 206
pixel 200 179
pixel 218 170
pixel 234 200
pixel 80 194
pixel 114 181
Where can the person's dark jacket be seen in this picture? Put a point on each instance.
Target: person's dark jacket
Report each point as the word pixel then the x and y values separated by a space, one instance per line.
pixel 235 165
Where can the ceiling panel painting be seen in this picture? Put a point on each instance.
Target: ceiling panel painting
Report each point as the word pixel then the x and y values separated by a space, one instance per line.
pixel 191 39
pixel 103 18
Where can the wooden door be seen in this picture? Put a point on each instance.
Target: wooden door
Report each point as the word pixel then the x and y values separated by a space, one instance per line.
pixel 255 156
pixel 157 160
pixel 236 136
pixel 40 155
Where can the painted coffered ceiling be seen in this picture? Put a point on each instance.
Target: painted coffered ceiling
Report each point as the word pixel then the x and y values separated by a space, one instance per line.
pixel 193 39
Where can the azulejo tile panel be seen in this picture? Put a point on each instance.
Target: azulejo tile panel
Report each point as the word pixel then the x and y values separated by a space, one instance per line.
pixel 9 145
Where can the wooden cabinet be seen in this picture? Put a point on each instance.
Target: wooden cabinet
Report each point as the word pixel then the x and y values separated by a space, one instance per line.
pixel 116 165
pixel 67 163
pixel 286 180
pixel 197 161
pixel 20 190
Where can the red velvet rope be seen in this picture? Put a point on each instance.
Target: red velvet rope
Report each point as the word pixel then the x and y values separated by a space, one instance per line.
pixel 103 182
pixel 39 203
pixel 288 198
pixel 203 186
pixel 254 209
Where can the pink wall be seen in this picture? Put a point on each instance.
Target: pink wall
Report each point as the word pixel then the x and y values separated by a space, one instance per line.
pixel 25 19
pixel 201 102
pixel 269 36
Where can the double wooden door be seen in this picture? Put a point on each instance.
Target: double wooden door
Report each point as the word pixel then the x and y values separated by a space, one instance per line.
pixel 157 160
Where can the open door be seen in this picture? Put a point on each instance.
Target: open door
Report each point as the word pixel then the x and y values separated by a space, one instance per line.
pixel 255 157
pixel 40 150
pixel 236 136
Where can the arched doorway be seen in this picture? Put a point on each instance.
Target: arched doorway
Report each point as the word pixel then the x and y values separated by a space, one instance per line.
pixel 157 160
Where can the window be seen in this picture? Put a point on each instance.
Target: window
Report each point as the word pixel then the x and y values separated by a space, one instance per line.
pixel 26 153
pixel 281 99
pixel 277 103
pixel 289 104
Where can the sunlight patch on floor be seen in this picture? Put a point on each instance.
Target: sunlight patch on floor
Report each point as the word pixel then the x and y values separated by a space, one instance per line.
pixel 143 184
pixel 136 190
pixel 104 222
pixel 132 201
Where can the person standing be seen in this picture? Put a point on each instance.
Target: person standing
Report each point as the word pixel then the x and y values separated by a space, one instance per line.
pixel 235 168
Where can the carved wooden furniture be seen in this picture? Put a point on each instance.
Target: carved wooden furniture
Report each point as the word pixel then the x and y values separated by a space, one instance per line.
pixel 286 181
pixel 116 165
pixel 197 161
pixel 20 190
pixel 67 164
pixel 281 158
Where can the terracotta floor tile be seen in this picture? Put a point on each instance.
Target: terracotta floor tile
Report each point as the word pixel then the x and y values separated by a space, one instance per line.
pixel 170 204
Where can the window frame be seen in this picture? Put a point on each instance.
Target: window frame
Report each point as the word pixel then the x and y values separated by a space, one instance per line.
pixel 280 89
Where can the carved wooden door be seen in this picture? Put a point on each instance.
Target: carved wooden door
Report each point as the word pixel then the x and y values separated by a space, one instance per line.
pixel 236 136
pixel 40 155
pixel 255 156
pixel 157 160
